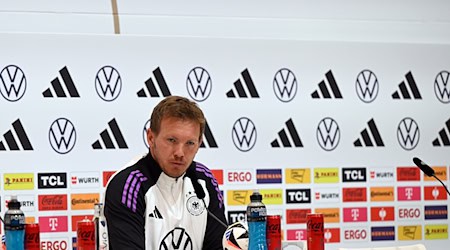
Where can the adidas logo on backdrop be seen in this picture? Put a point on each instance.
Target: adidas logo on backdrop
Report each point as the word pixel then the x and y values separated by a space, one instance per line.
pixel 407 90
pixel 62 90
pixel 284 138
pixel 370 137
pixel 15 138
pixel 150 89
pixel 443 137
pixel 330 91
pixel 208 138
pixel 239 87
pixel 110 138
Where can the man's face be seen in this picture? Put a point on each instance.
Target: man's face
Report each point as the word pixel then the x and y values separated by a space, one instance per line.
pixel 175 146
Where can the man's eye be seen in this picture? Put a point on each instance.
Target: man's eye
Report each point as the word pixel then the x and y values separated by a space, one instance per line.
pixel 171 140
pixel 190 143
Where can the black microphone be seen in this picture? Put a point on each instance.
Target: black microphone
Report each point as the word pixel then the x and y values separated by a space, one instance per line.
pixel 424 167
pixel 428 171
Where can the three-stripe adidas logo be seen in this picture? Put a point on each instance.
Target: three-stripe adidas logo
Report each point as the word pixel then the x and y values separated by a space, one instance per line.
pixel 150 89
pixel 131 189
pixel 444 135
pixel 12 137
pixel 324 89
pixel 240 88
pixel 366 136
pixel 105 137
pixel 155 214
pixel 283 136
pixel 209 138
pixel 58 89
pixel 405 93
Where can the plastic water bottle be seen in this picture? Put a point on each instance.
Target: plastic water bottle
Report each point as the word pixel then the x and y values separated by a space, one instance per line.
pixel 101 231
pixel 256 219
pixel 14 225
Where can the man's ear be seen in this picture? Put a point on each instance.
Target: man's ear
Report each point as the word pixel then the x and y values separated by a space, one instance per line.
pixel 150 137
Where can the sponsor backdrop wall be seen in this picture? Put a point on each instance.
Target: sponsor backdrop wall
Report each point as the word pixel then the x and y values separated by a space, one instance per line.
pixel 316 126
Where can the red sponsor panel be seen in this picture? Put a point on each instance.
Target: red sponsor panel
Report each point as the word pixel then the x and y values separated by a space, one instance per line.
pixel 332 235
pixel 435 193
pixel 53 224
pixel 76 218
pixel 382 214
pixel 408 174
pixel 354 194
pixel 355 214
pixel 408 193
pixel 296 216
pixel 52 202
pixel 296 234
pixel 106 176
pixel 218 174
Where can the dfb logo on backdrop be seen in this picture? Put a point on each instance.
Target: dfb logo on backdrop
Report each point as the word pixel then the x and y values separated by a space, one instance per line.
pixel 244 134
pixel 199 84
pixel 328 134
pixel 108 83
pixel 285 85
pixel 13 83
pixel 177 239
pixel 367 86
pixel 408 133
pixel 442 86
pixel 62 135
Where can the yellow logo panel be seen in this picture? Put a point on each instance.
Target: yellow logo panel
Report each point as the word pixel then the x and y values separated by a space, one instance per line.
pixel 29 220
pixel 326 175
pixel 439 172
pixel 23 181
pixel 435 232
pixel 382 194
pixel 238 197
pixel 410 232
pixel 330 215
pixel 272 196
pixel 83 201
pixel 298 175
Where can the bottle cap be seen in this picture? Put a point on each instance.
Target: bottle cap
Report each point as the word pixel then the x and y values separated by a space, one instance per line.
pixel 256 196
pixel 13 203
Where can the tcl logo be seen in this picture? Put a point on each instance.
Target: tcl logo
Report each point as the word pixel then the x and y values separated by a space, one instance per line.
pixel 239 177
pixel 235 216
pixel 355 234
pixel 52 180
pixel 298 195
pixel 354 174
pixel 54 245
pixel 409 213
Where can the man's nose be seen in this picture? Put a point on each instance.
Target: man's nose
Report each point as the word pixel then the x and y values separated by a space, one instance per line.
pixel 179 152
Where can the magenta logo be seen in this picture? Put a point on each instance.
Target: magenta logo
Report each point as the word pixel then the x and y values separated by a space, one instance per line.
pixel 355 214
pixel 51 224
pixel 296 234
pixel 408 193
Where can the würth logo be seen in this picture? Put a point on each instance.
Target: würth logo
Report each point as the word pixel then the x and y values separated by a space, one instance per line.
pixel 240 88
pixel 208 137
pixel 244 134
pixel 328 134
pixel 408 133
pixel 325 90
pixel 407 90
pixel 150 89
pixel 369 137
pixel 442 86
pixel 199 84
pixel 367 86
pixel 443 137
pixel 13 83
pixel 285 85
pixel 287 139
pixel 108 83
pixel 62 90
pixel 107 137
pixel 62 135
pixel 16 137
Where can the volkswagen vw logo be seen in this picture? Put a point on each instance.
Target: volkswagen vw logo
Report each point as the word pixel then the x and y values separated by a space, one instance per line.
pixel 442 86
pixel 199 84
pixel 13 83
pixel 328 134
pixel 62 135
pixel 108 83
pixel 177 239
pixel 285 85
pixel 244 134
pixel 367 86
pixel 408 133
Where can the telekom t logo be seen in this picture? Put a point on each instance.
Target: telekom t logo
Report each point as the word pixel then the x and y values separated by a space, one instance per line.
pixel 299 235
pixel 409 193
pixel 355 214
pixel 53 223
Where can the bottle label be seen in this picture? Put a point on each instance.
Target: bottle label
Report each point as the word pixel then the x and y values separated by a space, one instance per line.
pixel 256 213
pixel 14 221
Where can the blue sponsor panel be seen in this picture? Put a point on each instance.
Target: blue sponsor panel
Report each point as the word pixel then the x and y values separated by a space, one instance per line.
pixel 436 212
pixel 383 233
pixel 268 176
